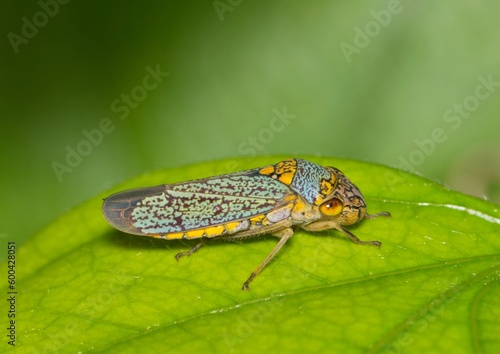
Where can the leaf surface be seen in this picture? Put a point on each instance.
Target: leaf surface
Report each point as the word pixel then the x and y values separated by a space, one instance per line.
pixel 432 287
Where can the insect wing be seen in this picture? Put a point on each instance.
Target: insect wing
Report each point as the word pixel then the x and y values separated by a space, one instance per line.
pixel 193 205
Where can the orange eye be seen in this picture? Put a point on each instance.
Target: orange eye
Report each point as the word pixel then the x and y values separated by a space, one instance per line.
pixel 332 207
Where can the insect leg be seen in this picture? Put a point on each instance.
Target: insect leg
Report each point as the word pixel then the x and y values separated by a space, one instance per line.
pixel 284 235
pixel 355 239
pixel 240 235
pixel 327 225
pixel 192 250
pixel 373 216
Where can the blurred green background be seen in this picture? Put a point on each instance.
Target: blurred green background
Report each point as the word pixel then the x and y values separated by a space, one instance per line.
pixel 367 80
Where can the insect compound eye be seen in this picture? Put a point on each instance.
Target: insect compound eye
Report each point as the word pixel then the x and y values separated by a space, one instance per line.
pixel 332 207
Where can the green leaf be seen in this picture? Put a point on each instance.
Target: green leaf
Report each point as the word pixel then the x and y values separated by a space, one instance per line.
pixel 432 287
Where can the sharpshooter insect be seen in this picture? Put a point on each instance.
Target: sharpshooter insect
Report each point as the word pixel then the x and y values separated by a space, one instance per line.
pixel 268 200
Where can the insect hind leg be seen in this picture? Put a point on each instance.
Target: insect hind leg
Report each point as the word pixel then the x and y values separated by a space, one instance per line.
pixel 273 229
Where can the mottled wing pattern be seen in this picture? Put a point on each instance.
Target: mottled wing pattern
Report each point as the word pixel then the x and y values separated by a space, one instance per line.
pixel 195 204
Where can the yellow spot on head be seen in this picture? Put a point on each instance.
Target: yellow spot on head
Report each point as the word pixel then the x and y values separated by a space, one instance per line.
pixel 287 178
pixel 326 187
pixel 286 166
pixel 268 170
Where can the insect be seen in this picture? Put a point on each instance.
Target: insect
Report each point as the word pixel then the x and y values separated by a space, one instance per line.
pixel 268 200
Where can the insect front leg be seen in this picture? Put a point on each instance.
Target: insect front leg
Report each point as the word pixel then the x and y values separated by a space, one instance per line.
pixel 328 225
pixel 382 213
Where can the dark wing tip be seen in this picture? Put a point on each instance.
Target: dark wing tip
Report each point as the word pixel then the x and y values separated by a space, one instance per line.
pixel 117 208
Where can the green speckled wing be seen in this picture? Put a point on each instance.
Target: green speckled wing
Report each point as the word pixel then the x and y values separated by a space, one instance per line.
pixel 194 204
